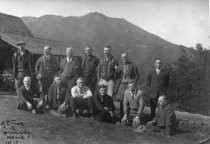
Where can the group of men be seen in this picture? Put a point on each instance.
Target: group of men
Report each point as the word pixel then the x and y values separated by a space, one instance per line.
pixel 88 86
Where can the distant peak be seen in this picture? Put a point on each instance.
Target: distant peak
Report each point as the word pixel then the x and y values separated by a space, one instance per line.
pixel 95 14
pixel 51 16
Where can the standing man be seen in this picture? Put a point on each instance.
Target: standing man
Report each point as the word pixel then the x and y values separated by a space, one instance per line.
pixel 46 68
pixel 70 68
pixel 157 82
pixel 127 71
pixel 22 64
pixel 89 66
pixel 107 69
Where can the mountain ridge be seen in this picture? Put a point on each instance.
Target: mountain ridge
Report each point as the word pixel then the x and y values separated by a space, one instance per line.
pixel 98 30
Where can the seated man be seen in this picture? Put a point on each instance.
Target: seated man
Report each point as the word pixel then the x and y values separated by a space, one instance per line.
pixel 104 105
pixel 165 118
pixel 26 93
pixel 81 99
pixel 57 100
pixel 133 105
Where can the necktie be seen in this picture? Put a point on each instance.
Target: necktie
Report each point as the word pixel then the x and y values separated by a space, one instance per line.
pixel 58 92
pixel 102 98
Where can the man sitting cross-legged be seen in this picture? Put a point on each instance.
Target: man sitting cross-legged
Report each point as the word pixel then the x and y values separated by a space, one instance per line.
pixel 104 105
pixel 133 105
pixel 165 118
pixel 58 102
pixel 81 99
pixel 26 94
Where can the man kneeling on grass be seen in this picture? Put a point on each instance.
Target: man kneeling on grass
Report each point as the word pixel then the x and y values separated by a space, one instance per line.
pixel 26 94
pixel 81 102
pixel 58 102
pixel 133 105
pixel 104 105
pixel 165 118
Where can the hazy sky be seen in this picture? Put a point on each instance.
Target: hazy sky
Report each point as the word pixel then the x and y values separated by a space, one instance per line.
pixel 183 22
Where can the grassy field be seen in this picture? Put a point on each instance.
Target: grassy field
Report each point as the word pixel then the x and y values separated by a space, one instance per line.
pixel 48 129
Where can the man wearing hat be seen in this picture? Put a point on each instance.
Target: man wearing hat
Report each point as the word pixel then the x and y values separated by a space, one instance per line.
pixel 22 62
pixel 46 68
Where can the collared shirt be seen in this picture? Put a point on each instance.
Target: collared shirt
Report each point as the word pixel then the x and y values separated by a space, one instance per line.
pixel 69 59
pixel 75 91
pixel 158 71
pixel 27 88
pixel 106 68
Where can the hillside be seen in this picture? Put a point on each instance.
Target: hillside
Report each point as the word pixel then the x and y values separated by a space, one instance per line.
pixel 98 30
pixel 13 25
pixel 49 129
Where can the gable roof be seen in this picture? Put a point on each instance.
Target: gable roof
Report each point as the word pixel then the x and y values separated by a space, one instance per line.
pixel 35 45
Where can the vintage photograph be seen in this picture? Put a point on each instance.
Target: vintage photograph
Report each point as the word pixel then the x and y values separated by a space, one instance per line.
pixel 104 72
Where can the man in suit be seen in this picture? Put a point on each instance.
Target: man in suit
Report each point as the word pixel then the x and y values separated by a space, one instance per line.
pixel 107 69
pixel 58 100
pixel 46 68
pixel 70 68
pixel 126 71
pixel 89 66
pixel 165 118
pixel 26 94
pixel 158 83
pixel 104 105
pixel 22 64
pixel 133 105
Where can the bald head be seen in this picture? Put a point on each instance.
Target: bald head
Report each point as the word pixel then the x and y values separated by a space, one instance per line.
pixel 162 100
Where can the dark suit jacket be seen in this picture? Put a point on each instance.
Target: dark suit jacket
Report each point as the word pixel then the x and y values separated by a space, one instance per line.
pixel 166 117
pixel 40 66
pixel 25 95
pixel 93 67
pixel 158 85
pixel 77 68
pixel 52 95
pixel 134 74
pixel 107 102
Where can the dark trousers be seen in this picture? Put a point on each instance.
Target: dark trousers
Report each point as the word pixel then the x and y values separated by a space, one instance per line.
pixel 47 81
pixel 104 117
pixel 23 106
pixel 120 96
pixel 89 83
pixel 69 81
pixel 81 104
pixel 153 105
